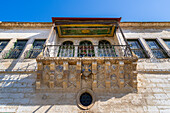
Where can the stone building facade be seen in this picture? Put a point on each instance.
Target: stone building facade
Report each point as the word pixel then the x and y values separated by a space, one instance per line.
pixel 85 65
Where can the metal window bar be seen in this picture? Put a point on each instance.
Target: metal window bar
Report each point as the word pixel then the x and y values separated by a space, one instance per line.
pixel 137 49
pixel 36 49
pixel 15 52
pixel 66 50
pixel 3 44
pixel 156 49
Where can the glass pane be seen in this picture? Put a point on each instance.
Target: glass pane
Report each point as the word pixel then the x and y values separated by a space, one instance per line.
pixel 153 44
pixel 105 49
pixel 167 43
pixel 86 49
pixel 16 51
pixel 3 44
pixel 66 49
pixel 38 44
pixel 139 53
pixel 158 54
pixel 134 44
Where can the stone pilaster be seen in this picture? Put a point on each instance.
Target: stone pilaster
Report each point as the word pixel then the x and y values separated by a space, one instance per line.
pixel 107 74
pixel 121 80
pixel 78 74
pixel 94 71
pixel 65 74
pixel 39 74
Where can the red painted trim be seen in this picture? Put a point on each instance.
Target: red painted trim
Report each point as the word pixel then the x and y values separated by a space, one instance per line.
pixel 76 18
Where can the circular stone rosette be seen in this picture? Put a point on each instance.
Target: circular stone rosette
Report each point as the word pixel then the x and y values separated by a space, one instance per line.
pixel 85 99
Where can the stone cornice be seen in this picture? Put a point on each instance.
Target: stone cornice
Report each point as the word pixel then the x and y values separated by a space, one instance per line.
pixel 145 24
pixel 49 24
pixel 25 25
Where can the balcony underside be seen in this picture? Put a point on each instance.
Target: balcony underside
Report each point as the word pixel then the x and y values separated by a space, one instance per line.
pixel 96 73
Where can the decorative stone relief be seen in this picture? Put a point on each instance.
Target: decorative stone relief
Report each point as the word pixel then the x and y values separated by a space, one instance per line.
pixel 72 76
pixel 100 76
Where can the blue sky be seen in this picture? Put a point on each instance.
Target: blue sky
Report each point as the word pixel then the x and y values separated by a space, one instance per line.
pixel 43 10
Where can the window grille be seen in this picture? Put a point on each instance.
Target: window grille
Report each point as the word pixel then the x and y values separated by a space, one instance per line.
pixel 167 43
pixel 66 49
pixel 156 49
pixel 36 49
pixel 86 49
pixel 16 50
pixel 3 44
pixel 105 49
pixel 137 48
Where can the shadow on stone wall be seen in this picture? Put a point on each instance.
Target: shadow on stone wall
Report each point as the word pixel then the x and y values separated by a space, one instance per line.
pixel 19 89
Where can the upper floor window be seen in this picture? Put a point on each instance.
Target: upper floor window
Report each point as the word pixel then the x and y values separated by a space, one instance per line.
pixel 167 41
pixel 156 49
pixel 16 50
pixel 137 48
pixel 105 49
pixel 66 49
pixel 36 49
pixel 3 44
pixel 86 49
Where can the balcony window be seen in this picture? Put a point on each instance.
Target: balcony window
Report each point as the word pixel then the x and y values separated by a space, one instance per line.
pixel 16 50
pixel 105 49
pixel 36 49
pixel 66 49
pixel 167 42
pixel 137 48
pixel 156 49
pixel 3 44
pixel 86 49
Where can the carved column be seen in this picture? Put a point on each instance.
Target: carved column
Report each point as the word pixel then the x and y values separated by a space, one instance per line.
pixel 78 74
pixel 107 74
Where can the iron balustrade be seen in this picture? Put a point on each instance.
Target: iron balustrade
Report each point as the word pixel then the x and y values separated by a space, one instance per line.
pixel 73 51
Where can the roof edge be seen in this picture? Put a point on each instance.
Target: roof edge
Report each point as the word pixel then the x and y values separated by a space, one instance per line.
pixel 49 24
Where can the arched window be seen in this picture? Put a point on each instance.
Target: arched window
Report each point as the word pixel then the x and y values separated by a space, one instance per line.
pixel 105 49
pixel 86 49
pixel 66 49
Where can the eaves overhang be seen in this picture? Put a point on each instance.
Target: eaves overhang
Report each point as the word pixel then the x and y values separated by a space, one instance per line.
pixel 85 27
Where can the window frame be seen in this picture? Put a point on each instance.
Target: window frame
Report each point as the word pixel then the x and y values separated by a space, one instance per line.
pixel 160 48
pixel 141 48
pixel 63 46
pixel 31 53
pixel 166 43
pixel 107 51
pixel 15 49
pixel 86 50
pixel 5 45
